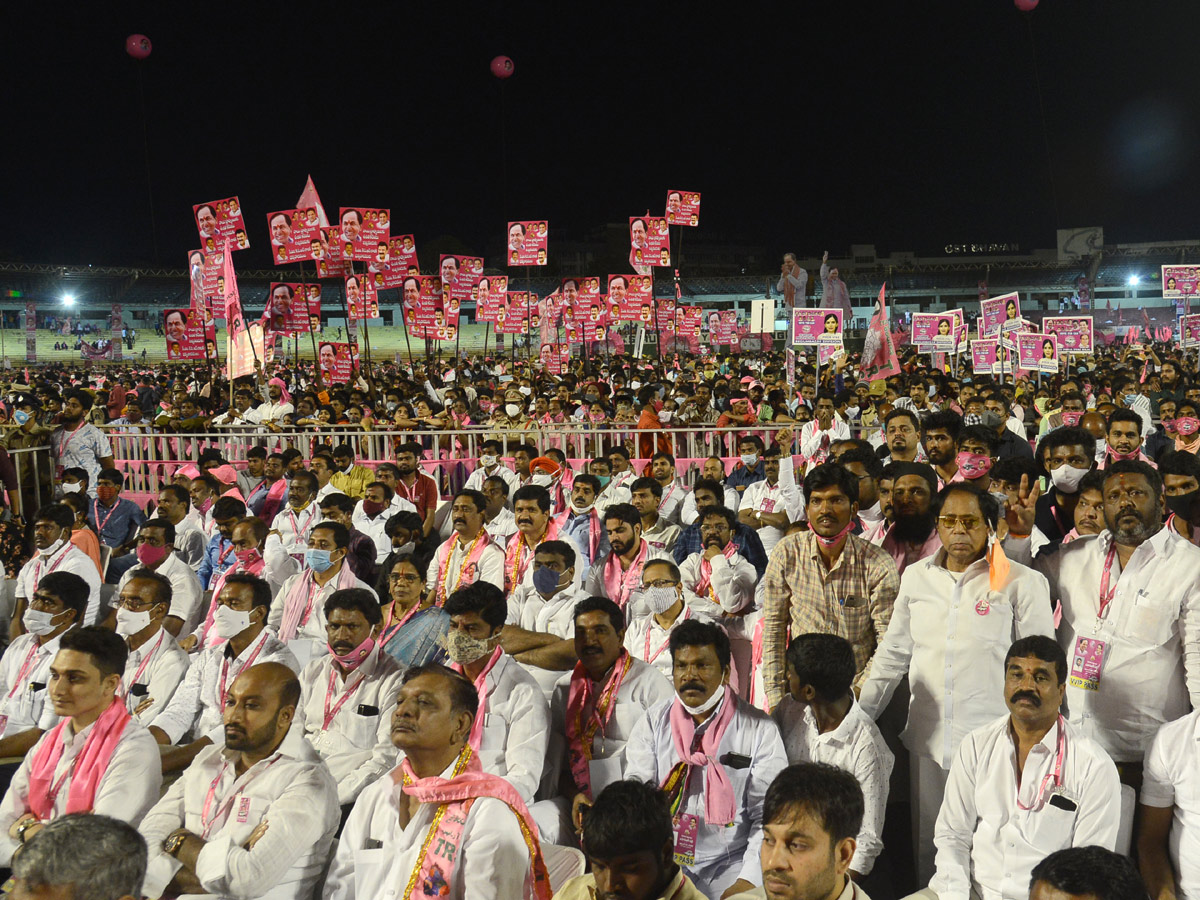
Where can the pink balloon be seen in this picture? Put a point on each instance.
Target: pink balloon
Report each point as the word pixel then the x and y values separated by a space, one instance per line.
pixel 1026 5
pixel 138 46
pixel 502 67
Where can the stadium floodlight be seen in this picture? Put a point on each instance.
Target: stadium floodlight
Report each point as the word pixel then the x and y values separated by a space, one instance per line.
pixel 68 299
pixel 1133 280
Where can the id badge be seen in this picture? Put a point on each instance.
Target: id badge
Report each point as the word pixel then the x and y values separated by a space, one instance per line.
pixel 686 829
pixel 1086 663
pixel 768 506
pixel 243 813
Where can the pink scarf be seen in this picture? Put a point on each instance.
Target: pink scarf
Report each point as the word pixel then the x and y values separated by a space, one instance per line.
pixel 702 586
pixel 581 700
pixel 620 585
pixel 468 572
pixel 298 605
pixel 88 769
pixel 719 802
pixel 274 499
pixel 208 637
pixel 593 529
pixel 443 844
pixel 481 689
pixel 517 557
pixel 284 395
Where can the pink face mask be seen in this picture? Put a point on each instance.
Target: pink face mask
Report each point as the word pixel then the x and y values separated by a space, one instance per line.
pixel 1071 417
pixel 973 465
pixel 1188 425
pixel 830 541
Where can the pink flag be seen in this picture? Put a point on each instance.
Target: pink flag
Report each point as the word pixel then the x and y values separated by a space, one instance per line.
pixel 879 352
pixel 233 300
pixel 1146 320
pixel 310 200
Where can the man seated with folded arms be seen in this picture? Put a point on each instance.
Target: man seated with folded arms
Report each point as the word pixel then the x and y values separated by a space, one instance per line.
pixel 254 815
pixel 156 663
pixel 436 822
pixel 96 759
pixel 196 708
pixel 345 696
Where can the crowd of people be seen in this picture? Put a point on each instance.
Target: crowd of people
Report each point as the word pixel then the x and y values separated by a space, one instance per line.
pixel 698 627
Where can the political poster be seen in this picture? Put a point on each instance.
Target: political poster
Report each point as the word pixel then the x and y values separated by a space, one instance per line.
pixel 933 332
pixel 219 220
pixel 1180 282
pixel 420 297
pixel 790 356
pixel 1189 331
pixel 184 330
pixel 492 292
pixel 289 309
pixel 1000 314
pixel 961 331
pixel 1037 352
pixel 649 241
pixel 664 315
pixel 630 298
pixel 242 348
pixel 460 274
pixel 363 232
pixel 527 243
pixel 401 261
pixel 293 233
pixel 688 321
pixel 328 256
pixel 984 356
pixel 590 319
pixel 810 325
pixel 556 357
pixel 362 300
pixel 337 361
pixel 118 326
pixel 1074 333
pixel 203 271
pixel 513 316
pixel 683 208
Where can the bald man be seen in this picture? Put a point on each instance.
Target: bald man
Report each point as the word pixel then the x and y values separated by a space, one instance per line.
pixel 255 815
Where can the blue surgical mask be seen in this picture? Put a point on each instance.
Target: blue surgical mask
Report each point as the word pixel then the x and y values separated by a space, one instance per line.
pixel 317 560
pixel 545 580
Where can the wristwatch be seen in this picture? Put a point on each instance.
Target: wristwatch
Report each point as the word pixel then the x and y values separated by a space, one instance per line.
pixel 174 841
pixel 24 827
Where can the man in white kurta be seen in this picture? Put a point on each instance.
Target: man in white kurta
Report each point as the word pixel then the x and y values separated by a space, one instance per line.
pixel 156 664
pixel 54 552
pixel 469 555
pixel 187 599
pixel 648 637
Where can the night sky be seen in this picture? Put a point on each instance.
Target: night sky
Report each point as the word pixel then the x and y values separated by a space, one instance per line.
pixel 903 124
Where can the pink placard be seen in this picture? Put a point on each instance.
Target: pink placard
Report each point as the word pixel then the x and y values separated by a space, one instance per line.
pixel 527 242
pixel 218 220
pixel 683 208
pixel 649 241
pixel 1074 333
pixel 364 232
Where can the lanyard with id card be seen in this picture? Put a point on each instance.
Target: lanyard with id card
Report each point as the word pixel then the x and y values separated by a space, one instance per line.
pixel 1087 661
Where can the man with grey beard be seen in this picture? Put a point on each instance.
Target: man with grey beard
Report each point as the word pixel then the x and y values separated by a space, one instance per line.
pixel 1130 619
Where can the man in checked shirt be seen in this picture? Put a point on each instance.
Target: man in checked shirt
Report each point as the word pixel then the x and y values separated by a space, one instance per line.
pixel 826 580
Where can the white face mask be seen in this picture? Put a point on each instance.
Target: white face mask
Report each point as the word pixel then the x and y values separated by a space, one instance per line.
pixel 660 599
pixel 852 411
pixel 665 415
pixel 512 409
pixel 131 622
pixel 72 488
pixel 37 622
pixel 54 548
pixel 749 460
pixel 525 390
pixel 582 510
pixel 230 622
pixel 541 479
pixel 1067 478
pixel 707 705
pixel 487 461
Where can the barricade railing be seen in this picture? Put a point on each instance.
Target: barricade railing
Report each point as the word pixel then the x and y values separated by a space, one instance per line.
pixel 34 470
pixel 150 458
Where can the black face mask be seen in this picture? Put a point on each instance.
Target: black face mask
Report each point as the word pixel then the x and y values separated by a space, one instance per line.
pixel 1183 505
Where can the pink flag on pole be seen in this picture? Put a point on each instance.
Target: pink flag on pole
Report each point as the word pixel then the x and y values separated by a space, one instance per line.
pixel 309 199
pixel 233 301
pixel 879 351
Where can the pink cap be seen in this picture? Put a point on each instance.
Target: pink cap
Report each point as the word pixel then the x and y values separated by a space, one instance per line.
pixel 225 474
pixel 188 471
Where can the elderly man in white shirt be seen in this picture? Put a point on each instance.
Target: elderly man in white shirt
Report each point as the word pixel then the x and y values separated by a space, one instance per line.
pixel 156 553
pixel 593 711
pixel 1130 618
pixel 1023 786
pixel 955 615
pixel 821 722
pixel 469 555
pixel 770 506
pixel 254 816
pixel 346 697
pixel 648 636
pixel 1168 849
pixel 95 759
pixel 719 573
pixel 715 756
pixel 156 663
pixel 54 552
pixel 240 620
pixel 511 732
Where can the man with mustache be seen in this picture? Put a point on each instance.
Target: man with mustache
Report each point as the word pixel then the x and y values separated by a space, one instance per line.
pixel 531 509
pixel 1023 786
pixel 902 432
pixel 1130 611
pixel 714 756
pixel 955 611
pixel 1123 438
pixel 912 536
pixel 470 554
pixel 254 817
pixel 618 574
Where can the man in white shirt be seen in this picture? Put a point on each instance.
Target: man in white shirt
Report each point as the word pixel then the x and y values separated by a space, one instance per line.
pixel 668 604
pixel 274 407
pixel 174 505
pixel 469 555
pixel 718 572
pixel 955 613
pixel 593 711
pixel 346 697
pixel 253 816
pixel 490 466
pixel 156 553
pixel 618 575
pixel 298 610
pixel 396 833
pixel 1023 786
pixel 715 756
pixel 156 663
pixel 200 698
pixel 1167 847
pixel 1135 651
pixel 295 521
pixel 498 519
pixel 769 506
pixel 95 759
pixel 713 469
pixel 811 814
pixel 58 605
pixel 819 434
pixel 54 552
pixel 371 515
pixel 646 496
pixel 662 470
pixel 581 523
pixel 511 730
pixel 820 722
